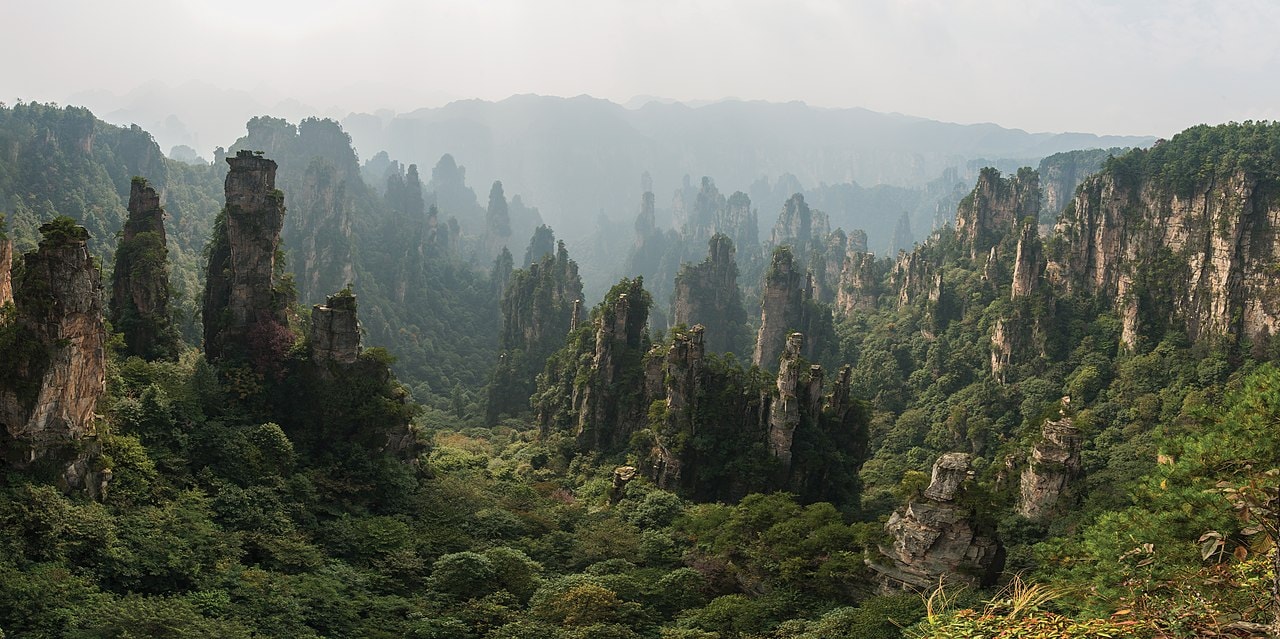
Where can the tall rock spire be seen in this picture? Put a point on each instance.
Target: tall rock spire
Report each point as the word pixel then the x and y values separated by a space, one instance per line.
pixel 241 299
pixel 140 282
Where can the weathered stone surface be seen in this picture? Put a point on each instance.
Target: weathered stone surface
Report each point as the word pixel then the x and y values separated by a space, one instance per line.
pixel 1207 256
pixel 676 376
pixel 782 305
pixel 1028 264
pixel 240 295
pixel 995 206
pixel 707 293
pixel 604 422
pixel 1053 463
pixel 52 383
pixel 335 330
pixel 936 539
pixel 140 282
pixel 800 227
pixel 859 288
pixel 784 413
pixel 6 268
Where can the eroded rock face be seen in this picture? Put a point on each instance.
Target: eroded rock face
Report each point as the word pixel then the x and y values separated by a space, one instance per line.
pixel 1028 264
pixel 53 379
pixel 782 306
pixel 800 227
pixel 140 282
pixel 240 296
pixel 995 206
pixel 6 268
pixel 1053 463
pixel 935 538
pixel 859 288
pixel 676 375
pixel 604 422
pixel 335 330
pixel 707 293
pixel 1207 255
pixel 784 413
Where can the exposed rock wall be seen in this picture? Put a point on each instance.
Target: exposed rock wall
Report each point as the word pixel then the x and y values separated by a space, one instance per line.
pixel 859 288
pixel 784 413
pixel 1028 264
pixel 994 206
pixel 707 293
pixel 240 294
pixel 935 537
pixel 6 269
pixel 335 330
pixel 1201 260
pixel 786 304
pixel 56 372
pixel 1053 463
pixel 799 227
pixel 605 422
pixel 140 282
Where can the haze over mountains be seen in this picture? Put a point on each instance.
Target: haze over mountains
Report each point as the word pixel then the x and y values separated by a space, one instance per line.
pixel 579 160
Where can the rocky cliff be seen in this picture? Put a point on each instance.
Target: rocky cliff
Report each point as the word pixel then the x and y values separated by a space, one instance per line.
pixel 1054 461
pixel 707 293
pixel 995 206
pixel 140 282
pixel 1062 173
pixel 52 347
pixel 936 538
pixel 6 268
pixel 787 304
pixel 799 227
pixel 1198 255
pixel 243 311
pixel 593 388
pixel 335 330
pixel 859 284
pixel 538 311
pixel 784 413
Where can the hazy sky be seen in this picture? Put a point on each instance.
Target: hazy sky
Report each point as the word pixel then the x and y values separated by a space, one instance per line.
pixel 1122 66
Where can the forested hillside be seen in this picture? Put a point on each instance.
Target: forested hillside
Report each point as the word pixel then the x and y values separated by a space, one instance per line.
pixel 1038 422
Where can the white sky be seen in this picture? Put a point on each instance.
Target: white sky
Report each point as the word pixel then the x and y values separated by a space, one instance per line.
pixel 1102 66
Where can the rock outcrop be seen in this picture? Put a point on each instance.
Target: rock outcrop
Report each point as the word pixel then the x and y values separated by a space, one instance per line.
pixel 860 287
pixel 242 308
pixel 996 204
pixel 710 213
pixel 936 538
pixel 1061 173
pixel 539 307
pixel 1028 264
pixel 800 227
pixel 787 304
pixel 497 229
pixel 707 293
pixel 54 367
pixel 1200 258
pixel 140 283
pixel 6 269
pixel 784 413
pixel 1053 463
pixel 605 421
pixel 335 330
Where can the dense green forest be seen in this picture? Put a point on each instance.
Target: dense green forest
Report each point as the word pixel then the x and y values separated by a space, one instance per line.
pixel 1013 429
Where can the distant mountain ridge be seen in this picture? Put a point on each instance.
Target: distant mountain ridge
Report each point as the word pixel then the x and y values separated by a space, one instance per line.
pixel 580 157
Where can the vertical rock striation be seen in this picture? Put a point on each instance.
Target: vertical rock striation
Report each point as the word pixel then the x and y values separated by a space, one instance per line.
pixel 994 206
pixel 242 307
pixel 708 294
pixel 335 330
pixel 319 233
pixel 140 282
pixel 787 304
pixel 54 368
